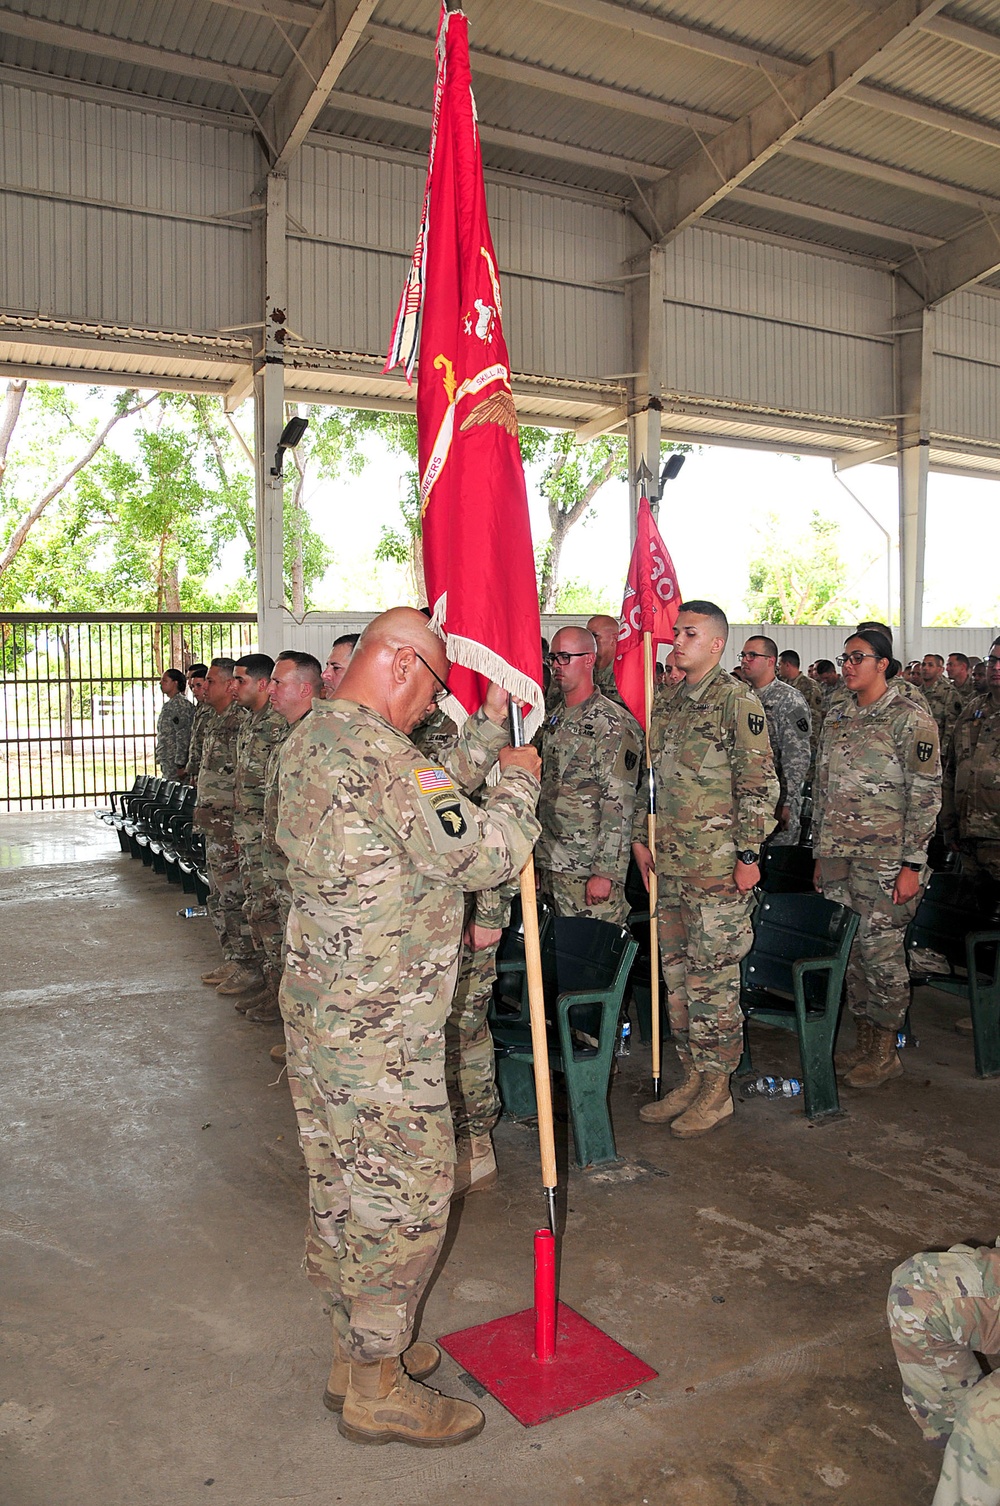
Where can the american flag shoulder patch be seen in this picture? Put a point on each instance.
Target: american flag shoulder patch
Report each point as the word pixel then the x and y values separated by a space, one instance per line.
pixel 430 780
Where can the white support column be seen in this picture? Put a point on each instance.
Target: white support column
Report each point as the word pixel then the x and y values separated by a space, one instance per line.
pixel 646 346
pixel 269 403
pixel 914 356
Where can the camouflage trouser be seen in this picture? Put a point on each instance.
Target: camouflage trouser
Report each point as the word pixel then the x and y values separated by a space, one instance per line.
pixel 703 933
pixel 878 984
pixel 266 923
pixel 941 1308
pixel 225 898
pixel 376 1136
pixel 980 858
pixel 470 1062
pixel 790 836
pixel 566 895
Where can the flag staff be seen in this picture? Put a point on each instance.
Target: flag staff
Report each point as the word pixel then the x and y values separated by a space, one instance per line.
pixel 643 476
pixel 536 1006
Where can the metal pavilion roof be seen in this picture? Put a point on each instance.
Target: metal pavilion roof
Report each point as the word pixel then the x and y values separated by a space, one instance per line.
pixel 607 97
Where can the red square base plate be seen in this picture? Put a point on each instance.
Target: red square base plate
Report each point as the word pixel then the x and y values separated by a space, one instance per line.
pixel 588 1365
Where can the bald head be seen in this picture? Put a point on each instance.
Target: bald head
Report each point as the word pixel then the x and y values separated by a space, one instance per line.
pixel 605 631
pixel 575 678
pixel 393 670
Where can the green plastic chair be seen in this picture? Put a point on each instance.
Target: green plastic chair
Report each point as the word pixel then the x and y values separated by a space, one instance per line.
pixel 960 922
pixel 793 977
pixel 586 965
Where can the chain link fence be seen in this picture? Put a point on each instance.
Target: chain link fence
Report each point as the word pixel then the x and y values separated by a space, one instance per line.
pixel 81 696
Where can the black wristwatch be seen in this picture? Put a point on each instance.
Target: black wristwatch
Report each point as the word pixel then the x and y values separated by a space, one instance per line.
pixel 748 856
pixel 916 867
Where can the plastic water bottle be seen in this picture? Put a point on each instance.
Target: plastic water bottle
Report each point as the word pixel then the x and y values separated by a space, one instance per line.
pixel 625 1039
pixel 192 912
pixel 773 1087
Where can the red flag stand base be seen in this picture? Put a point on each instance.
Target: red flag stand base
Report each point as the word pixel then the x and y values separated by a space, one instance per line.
pixel 535 1378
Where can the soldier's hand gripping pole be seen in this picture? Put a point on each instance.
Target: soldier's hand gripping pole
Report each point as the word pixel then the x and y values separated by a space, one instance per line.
pixel 654 950
pixel 536 1007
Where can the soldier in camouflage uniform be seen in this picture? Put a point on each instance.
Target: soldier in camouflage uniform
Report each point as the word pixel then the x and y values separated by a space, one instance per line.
pixel 960 675
pixel 876 798
pixel 790 672
pixel 173 727
pixel 591 751
pixel 382 846
pixel 840 697
pixel 255 990
pixel 943 699
pixel 715 791
pixel 970 810
pixel 943 1308
pixel 336 665
pixel 213 817
pixel 789 728
pixel 203 714
pixel 605 630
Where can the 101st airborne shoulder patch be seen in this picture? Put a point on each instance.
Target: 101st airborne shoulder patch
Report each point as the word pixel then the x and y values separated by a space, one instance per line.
pixel 441 805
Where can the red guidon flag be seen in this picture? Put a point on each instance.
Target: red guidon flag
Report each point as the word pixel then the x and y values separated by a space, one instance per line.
pixel 479 565
pixel 652 600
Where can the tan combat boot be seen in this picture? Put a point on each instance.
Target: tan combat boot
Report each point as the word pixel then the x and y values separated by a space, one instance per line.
pixel 383 1405
pixel 243 1003
pixel 419 1361
pixel 265 1011
pixel 679 1099
pixel 713 1104
pixel 277 1054
pixel 475 1168
pixel 219 974
pixel 244 980
pixel 850 1059
pixel 882 1063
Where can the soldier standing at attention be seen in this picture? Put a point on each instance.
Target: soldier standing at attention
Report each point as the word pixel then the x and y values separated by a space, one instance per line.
pixel 605 630
pixel 960 675
pixel 876 797
pixel 970 811
pixel 336 665
pixel 213 817
pixel 295 682
pixel 203 714
pixel 591 750
pixel 173 727
pixel 790 671
pixel 382 847
pixel 788 727
pixel 261 730
pixel 715 794
pixel 943 699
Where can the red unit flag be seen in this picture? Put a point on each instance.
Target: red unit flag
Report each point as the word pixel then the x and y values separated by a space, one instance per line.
pixel 479 565
pixel 652 600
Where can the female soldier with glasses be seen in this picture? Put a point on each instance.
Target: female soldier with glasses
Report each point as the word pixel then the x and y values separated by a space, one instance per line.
pixel 877 795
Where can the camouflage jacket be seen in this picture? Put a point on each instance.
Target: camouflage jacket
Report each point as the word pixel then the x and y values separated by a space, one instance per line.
pixel 591 756
pixel 812 694
pixel 605 682
pixel 878 782
pixel 946 706
pixel 259 732
pixel 789 724
pixel 204 715
pixel 435 736
pixel 215 800
pixel 840 698
pixel 716 789
pixel 970 804
pixel 173 735
pixel 966 692
pixel 382 846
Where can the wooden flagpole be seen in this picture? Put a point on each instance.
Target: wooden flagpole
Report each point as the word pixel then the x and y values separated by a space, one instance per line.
pixel 654 950
pixel 536 1007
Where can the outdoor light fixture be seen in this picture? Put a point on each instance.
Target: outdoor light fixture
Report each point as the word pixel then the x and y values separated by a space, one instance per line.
pixel 671 469
pixel 291 434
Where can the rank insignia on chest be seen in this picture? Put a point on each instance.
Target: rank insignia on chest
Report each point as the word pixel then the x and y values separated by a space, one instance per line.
pixel 756 723
pixel 924 751
pixel 431 779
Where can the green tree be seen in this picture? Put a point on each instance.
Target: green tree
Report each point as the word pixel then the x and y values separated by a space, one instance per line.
pixel 801 580
pixel 332 445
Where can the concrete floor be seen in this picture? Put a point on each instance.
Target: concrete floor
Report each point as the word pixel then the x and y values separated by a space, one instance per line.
pixel 161 1346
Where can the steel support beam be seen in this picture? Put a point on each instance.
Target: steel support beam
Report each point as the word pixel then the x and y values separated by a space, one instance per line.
pixel 914 355
pixel 721 165
pixel 647 338
pixel 305 87
pixel 269 415
pixel 958 264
